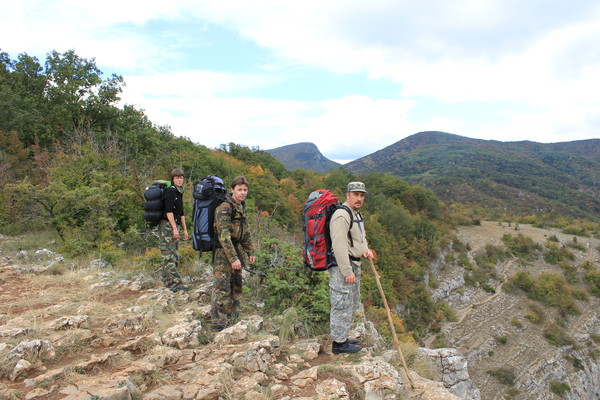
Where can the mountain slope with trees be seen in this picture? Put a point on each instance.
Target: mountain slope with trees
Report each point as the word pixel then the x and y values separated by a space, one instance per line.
pixel 521 178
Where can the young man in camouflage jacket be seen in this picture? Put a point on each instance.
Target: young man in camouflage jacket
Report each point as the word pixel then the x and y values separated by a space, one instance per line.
pixel 349 244
pixel 236 250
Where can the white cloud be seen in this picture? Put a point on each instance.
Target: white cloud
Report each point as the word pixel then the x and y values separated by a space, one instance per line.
pixel 355 125
pixel 538 55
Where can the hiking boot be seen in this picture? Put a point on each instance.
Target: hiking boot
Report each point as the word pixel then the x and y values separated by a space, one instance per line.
pixel 345 347
pixel 354 341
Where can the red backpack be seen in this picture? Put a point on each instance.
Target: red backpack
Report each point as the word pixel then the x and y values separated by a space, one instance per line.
pixel 318 209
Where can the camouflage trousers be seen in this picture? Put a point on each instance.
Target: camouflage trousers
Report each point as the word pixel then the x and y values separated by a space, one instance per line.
pixel 226 292
pixel 169 247
pixel 344 298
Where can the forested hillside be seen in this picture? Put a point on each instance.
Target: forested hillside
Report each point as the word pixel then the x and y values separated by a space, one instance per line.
pixel 74 164
pixel 514 178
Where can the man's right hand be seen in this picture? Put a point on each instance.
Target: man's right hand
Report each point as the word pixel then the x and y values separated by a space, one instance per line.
pixel 350 278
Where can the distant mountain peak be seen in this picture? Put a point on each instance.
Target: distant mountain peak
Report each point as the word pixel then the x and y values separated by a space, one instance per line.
pixel 304 155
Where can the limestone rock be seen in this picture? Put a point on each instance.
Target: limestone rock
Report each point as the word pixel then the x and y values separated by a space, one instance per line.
pixel 332 389
pixel 100 264
pixel 76 321
pixel 123 323
pixel 95 360
pixel 14 332
pixel 452 368
pixel 21 368
pixel 34 349
pixel 309 348
pixel 183 335
pixel 239 331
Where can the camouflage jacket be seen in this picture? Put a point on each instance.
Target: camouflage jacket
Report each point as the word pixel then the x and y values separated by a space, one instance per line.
pixel 233 231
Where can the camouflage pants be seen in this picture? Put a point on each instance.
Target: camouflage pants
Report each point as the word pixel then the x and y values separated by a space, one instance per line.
pixel 344 298
pixel 226 292
pixel 170 255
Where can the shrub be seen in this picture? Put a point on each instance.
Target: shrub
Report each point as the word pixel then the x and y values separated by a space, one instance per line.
pixel 536 315
pixel 559 388
pixel 557 336
pixel 574 244
pixel 502 339
pixel 575 230
pixel 488 288
pixel 553 238
pixel 521 246
pixel 287 283
pixel 592 278
pixel 555 254
pixel 516 323
pixel 379 317
pixel 504 375
pixel 549 288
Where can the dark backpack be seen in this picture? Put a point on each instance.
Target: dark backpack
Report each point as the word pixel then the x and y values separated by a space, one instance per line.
pixel 208 194
pixel 318 209
pixel 154 204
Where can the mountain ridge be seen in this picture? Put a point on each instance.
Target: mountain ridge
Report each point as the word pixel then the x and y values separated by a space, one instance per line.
pixel 521 177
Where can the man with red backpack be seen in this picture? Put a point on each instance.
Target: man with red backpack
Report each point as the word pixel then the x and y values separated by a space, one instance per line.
pixel 349 244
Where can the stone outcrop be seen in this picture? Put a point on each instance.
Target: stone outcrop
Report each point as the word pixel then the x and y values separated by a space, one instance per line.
pixel 452 367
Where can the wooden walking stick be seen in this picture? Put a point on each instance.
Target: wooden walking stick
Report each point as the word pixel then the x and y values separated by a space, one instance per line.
pixel 389 314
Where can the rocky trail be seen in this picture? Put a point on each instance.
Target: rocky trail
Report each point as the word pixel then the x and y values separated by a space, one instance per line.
pixel 89 332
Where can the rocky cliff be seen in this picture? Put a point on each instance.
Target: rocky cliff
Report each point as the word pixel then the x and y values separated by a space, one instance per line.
pixel 517 346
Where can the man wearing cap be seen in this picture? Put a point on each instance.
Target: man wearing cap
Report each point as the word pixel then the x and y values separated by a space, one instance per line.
pixel 349 244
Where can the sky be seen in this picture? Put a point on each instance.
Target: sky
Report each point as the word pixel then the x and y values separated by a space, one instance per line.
pixel 351 76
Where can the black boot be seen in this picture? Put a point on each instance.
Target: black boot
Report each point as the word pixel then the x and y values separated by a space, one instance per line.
pixel 345 347
pixel 354 341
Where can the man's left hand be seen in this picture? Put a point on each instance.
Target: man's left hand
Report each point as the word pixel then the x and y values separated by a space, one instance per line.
pixel 368 254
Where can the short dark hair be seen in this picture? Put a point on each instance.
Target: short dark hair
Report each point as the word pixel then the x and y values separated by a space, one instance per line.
pixel 176 172
pixel 239 180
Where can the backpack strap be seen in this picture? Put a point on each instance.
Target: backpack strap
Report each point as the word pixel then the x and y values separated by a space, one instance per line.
pixel 345 207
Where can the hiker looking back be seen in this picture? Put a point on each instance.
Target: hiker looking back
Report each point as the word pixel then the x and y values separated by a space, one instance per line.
pixel 169 231
pixel 236 250
pixel 349 244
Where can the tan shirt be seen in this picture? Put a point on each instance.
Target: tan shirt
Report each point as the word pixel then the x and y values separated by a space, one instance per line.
pixel 340 241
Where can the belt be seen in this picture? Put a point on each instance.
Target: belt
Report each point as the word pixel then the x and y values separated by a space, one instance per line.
pixel 355 259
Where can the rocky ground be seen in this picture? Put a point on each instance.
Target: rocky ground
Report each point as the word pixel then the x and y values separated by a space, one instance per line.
pixel 88 332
